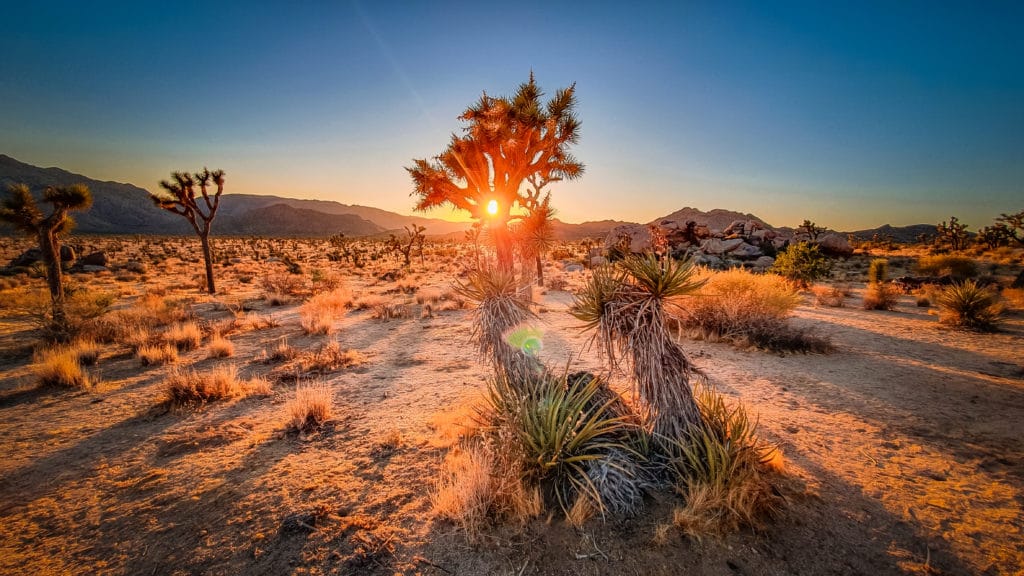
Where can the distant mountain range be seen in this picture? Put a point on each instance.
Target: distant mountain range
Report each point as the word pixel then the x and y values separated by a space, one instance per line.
pixel 126 209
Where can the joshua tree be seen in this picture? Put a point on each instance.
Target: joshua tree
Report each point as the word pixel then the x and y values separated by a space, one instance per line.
pixel 20 209
pixel 413 238
pixel 1015 228
pixel 954 234
pixel 507 141
pixel 628 310
pixel 536 234
pixel 179 197
pixel 811 229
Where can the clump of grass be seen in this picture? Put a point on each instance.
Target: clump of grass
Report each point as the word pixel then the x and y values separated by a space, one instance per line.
pixel 86 351
pixel 391 311
pixel 185 336
pixel 220 347
pixel 747 309
pixel 369 302
pixel 945 264
pixel 311 406
pixel 829 296
pixel 154 355
pixel 61 367
pixel 257 322
pixel 281 352
pixel 194 388
pixel 330 357
pixel 723 471
pixel 319 313
pixel 879 297
pixel 969 306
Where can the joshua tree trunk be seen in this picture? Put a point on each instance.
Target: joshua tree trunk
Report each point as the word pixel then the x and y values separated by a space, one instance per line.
pixel 540 272
pixel 1019 281
pixel 50 247
pixel 503 246
pixel 204 239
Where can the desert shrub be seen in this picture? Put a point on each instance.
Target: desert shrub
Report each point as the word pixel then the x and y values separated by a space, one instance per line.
pixel 475 485
pixel 877 271
pixel 746 309
pixel 311 406
pixel 879 297
pixel 220 347
pixel 803 263
pixel 722 471
pixel 317 315
pixel 61 367
pixel 86 351
pixel 154 355
pixel 285 285
pixel 280 352
pixel 330 357
pixel 829 296
pixel 943 264
pixel 553 429
pixel 193 388
pixel 369 302
pixel 184 335
pixel 970 306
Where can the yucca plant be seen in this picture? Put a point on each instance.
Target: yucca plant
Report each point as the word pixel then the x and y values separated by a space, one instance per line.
pixel 627 308
pixel 556 431
pixel 721 470
pixel 969 305
pixel 499 311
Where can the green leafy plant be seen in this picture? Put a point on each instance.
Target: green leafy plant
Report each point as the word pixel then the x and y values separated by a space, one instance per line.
pixel 803 263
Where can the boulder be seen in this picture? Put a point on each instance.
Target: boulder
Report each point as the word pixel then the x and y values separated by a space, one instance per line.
pixel 598 261
pixel 745 250
pixel 834 245
pixel 710 261
pixel 135 266
pixel 94 259
pixel 639 237
pixel 735 227
pixel 574 268
pixel 764 263
pixel 27 258
pixel 718 246
pixel 67 253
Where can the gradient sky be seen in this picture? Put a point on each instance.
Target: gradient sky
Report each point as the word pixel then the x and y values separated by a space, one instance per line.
pixel 850 114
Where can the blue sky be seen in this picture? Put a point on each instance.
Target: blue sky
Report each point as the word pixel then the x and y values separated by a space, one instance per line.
pixel 850 114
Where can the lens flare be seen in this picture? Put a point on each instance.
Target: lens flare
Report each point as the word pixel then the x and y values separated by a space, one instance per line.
pixel 492 207
pixel 526 338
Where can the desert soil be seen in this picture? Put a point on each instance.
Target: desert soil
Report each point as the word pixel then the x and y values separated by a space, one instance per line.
pixel 903 454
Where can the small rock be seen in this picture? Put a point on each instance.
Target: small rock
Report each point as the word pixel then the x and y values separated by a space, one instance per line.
pixel 94 259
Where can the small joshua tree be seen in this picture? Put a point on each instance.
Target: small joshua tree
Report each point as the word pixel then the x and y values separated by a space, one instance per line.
pixel 878 296
pixel 21 210
pixel 954 234
pixel 1015 229
pixel 811 229
pixel 413 239
pixel 179 197
pixel 627 308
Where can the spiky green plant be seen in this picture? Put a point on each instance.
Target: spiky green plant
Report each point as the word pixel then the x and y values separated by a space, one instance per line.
pixel 970 306
pixel 499 310
pixel 627 308
pixel 557 431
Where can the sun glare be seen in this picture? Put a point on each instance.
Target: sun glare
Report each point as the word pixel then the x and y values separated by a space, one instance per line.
pixel 492 207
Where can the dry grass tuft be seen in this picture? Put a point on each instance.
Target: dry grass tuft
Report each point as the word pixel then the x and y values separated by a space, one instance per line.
pixel 220 347
pixel 878 296
pixel 312 405
pixel 465 493
pixel 330 357
pixel 154 355
pixel 831 296
pixel 193 388
pixel 391 311
pixel 318 315
pixel 61 367
pixel 185 336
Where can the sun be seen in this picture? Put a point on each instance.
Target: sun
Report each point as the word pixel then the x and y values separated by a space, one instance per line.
pixel 492 207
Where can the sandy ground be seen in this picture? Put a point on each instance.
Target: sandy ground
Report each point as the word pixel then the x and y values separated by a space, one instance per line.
pixel 903 455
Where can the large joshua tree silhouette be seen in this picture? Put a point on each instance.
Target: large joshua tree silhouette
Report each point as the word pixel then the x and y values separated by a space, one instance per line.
pixel 179 196
pixel 21 210
pixel 507 142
